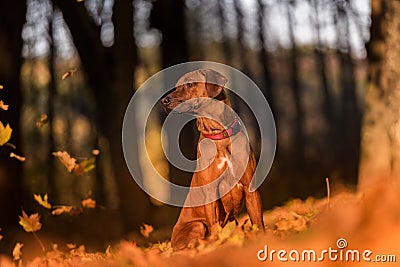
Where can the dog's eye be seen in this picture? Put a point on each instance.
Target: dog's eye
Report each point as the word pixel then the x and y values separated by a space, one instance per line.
pixel 189 85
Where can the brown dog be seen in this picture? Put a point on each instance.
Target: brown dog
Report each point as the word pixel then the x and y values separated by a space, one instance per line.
pixel 224 134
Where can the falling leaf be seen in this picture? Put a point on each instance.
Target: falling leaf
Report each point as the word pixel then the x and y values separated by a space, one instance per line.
pixel 42 201
pixel 43 120
pixel 95 152
pixel 1 237
pixel 61 210
pixel 17 251
pixel 85 166
pixel 5 133
pixel 20 158
pixel 3 106
pixel 72 165
pixel 68 74
pixel 89 203
pixel 31 223
pixel 66 160
pixel 1 87
pixel 146 230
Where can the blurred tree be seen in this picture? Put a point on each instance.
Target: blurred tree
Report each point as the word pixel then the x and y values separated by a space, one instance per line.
pixel 169 17
pixel 12 14
pixel 380 145
pixel 263 55
pixel 110 73
pixel 298 147
pixel 348 127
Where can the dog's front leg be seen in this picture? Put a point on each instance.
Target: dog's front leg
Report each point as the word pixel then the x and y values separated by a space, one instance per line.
pixel 254 209
pixel 211 214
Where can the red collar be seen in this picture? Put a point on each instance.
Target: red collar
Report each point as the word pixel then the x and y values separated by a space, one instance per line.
pixel 232 130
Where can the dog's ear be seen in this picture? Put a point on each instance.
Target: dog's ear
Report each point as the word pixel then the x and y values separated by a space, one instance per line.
pixel 215 82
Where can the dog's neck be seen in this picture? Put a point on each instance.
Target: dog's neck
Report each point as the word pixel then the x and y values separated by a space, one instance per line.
pixel 224 118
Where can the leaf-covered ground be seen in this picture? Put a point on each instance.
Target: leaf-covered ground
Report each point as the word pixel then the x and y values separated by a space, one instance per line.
pixel 367 222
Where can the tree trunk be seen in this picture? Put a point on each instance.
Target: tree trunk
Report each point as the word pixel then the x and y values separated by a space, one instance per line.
pixel 169 17
pixel 263 55
pixel 12 15
pixel 110 73
pixel 380 143
pixel 350 114
pixel 296 89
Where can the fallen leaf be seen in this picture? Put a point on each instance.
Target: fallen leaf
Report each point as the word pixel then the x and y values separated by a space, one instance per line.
pixel 17 251
pixel 43 120
pixel 71 246
pixel 3 106
pixel 227 230
pixel 89 203
pixel 6 262
pixel 146 230
pixel 5 133
pixel 55 247
pixel 68 74
pixel 20 158
pixel 31 223
pixel 283 225
pixel 42 201
pixel 61 210
pixel 66 160
pixel 108 251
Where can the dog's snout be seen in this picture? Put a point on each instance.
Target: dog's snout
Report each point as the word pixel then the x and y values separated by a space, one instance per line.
pixel 166 101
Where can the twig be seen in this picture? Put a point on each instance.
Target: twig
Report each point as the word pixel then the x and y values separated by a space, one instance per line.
pixel 328 190
pixel 39 241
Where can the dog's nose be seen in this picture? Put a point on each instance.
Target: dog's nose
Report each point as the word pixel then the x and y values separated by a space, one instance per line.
pixel 166 101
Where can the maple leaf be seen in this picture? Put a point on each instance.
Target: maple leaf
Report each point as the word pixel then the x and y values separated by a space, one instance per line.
pixel 68 161
pixel 17 251
pixel 43 120
pixel 146 230
pixel 68 74
pixel 89 203
pixel 20 158
pixel 42 201
pixel 3 106
pixel 61 210
pixel 5 133
pixel 31 223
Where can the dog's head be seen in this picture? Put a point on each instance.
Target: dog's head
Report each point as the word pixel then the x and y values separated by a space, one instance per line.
pixel 203 83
